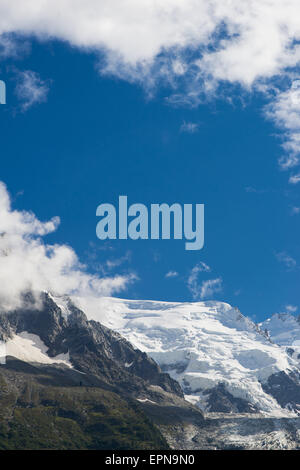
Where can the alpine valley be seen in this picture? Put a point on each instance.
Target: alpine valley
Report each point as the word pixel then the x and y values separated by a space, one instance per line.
pixel 107 373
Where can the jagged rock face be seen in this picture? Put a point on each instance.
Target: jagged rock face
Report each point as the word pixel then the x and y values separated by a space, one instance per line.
pixel 55 351
pixel 219 400
pixel 284 330
pixel 92 348
pixel 285 388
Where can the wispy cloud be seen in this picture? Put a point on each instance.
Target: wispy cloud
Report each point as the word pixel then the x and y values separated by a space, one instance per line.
pixel 284 110
pixel 201 267
pixel 31 89
pixel 189 127
pixel 7 47
pixel 116 262
pixel 171 274
pixel 250 189
pixel 210 287
pixel 13 46
pixel 294 179
pixel 295 210
pixel 291 308
pixel 201 289
pixel 288 261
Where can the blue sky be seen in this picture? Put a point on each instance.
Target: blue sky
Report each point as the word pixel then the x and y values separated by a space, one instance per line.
pixel 88 138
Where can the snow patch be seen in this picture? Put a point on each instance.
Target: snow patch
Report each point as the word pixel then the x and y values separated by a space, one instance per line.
pixel 30 348
pixel 62 302
pixel 145 400
pixel 284 329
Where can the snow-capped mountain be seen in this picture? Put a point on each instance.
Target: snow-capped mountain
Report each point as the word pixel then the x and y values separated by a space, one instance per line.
pixel 223 361
pixel 76 384
pixel 51 343
pixel 60 335
pixel 284 329
pixel 225 364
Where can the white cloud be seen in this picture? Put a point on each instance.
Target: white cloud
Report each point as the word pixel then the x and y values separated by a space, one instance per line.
pixel 31 89
pixel 27 262
pixel 200 290
pixel 250 189
pixel 284 110
pixel 194 45
pixel 257 38
pixel 291 308
pixel 8 47
pixel 13 46
pixel 295 210
pixel 210 287
pixel 202 267
pixel 189 127
pixel 294 179
pixel 170 274
pixel 116 262
pixel 204 289
pixel 286 259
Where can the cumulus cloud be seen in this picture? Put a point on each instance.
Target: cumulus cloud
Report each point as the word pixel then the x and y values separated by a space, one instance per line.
pixel 193 45
pixel 29 263
pixel 252 39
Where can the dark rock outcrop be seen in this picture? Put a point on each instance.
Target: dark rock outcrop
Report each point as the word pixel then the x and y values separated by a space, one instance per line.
pixel 92 347
pixel 285 388
pixel 221 401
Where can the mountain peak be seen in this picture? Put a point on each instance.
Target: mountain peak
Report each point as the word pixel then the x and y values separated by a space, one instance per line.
pixel 202 345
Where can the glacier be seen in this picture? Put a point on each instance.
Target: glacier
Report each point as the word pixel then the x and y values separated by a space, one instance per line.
pixel 208 347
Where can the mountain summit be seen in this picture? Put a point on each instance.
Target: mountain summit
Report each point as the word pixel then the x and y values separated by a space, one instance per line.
pixel 107 373
pixel 66 374
pixel 223 361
